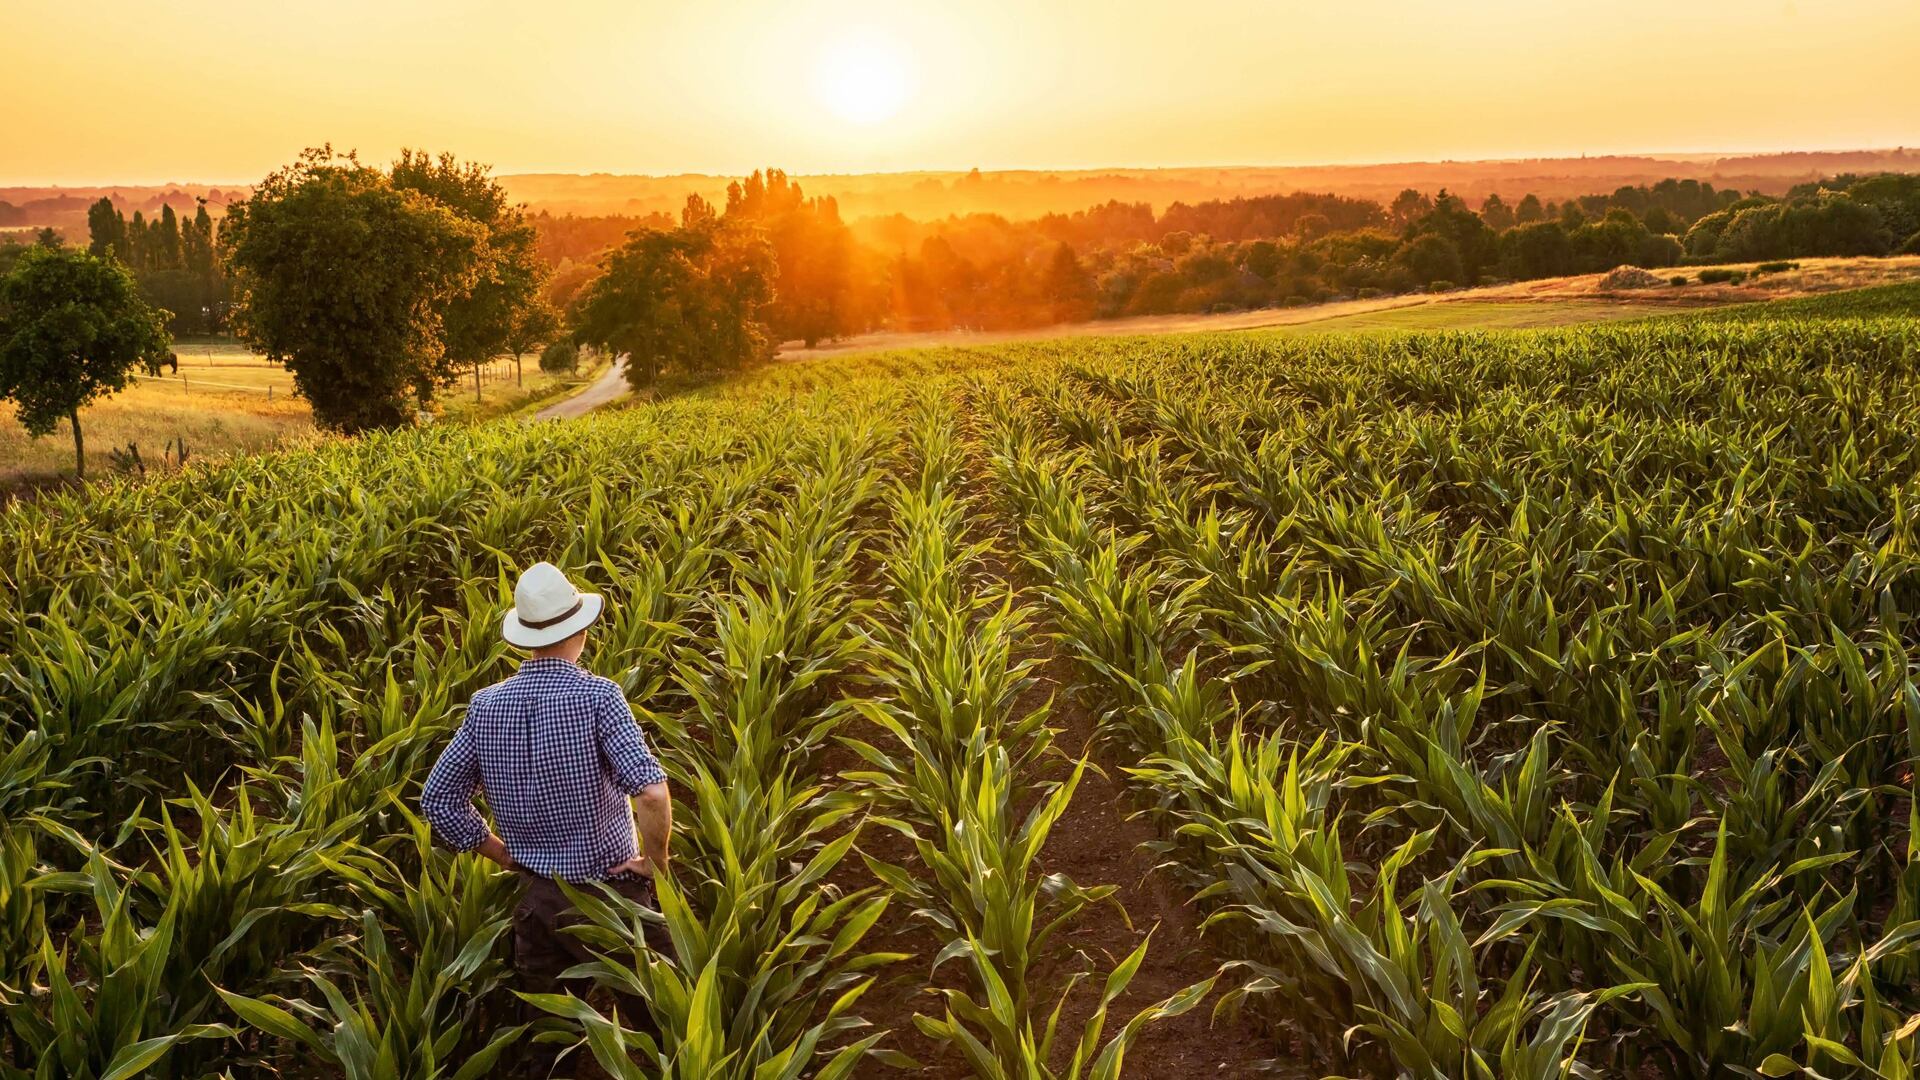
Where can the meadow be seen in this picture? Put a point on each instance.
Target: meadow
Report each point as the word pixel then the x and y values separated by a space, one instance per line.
pixel 226 401
pixel 1517 704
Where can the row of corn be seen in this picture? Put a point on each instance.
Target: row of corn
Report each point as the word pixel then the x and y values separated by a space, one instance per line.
pixel 221 704
pixel 956 752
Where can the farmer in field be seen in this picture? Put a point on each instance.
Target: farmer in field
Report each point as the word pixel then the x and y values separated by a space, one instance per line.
pixel 567 774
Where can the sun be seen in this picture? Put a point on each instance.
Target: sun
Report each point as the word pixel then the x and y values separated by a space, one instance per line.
pixel 864 76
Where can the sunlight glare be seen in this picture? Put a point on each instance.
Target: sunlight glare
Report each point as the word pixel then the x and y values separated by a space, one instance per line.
pixel 864 77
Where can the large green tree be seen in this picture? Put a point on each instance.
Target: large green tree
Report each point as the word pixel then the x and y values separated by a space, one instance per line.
pixel 501 310
pixel 73 327
pixel 690 299
pixel 346 278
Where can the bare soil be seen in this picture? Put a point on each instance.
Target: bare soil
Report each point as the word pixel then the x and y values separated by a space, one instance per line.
pixel 1099 840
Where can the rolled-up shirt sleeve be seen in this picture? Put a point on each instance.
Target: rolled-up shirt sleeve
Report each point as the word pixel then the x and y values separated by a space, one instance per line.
pixel 447 800
pixel 630 762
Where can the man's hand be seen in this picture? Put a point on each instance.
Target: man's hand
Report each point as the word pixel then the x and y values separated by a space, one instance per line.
pixel 636 865
pixel 653 815
pixel 496 849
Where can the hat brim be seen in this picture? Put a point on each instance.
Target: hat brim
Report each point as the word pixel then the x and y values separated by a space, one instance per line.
pixel 526 637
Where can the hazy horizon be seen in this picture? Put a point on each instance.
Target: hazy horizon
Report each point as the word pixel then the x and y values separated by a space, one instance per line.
pixel 1677 155
pixel 857 87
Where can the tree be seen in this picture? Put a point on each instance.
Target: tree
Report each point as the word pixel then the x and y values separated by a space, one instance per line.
pixel 1529 210
pixel 818 291
pixel 1496 213
pixel 560 358
pixel 107 231
pixel 73 327
pixel 1536 250
pixel 1310 227
pixel 691 299
pixel 1068 286
pixel 1408 206
pixel 1431 257
pixel 536 326
pixel 480 321
pixel 1475 246
pixel 167 240
pixel 343 277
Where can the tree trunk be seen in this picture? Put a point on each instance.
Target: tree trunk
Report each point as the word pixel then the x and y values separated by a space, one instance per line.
pixel 476 382
pixel 79 446
pixel 518 379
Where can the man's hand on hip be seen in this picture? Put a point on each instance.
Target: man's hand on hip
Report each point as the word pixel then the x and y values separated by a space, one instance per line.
pixel 636 865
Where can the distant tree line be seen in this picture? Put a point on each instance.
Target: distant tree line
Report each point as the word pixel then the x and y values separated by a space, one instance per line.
pixel 983 271
pixel 175 262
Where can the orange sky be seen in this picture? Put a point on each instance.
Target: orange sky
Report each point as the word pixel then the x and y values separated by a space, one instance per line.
pixel 117 91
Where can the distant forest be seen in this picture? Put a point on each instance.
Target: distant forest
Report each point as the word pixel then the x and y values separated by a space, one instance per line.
pixel 835 276
pixel 985 271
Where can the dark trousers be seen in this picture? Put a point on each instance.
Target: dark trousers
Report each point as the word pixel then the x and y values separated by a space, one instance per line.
pixel 541 951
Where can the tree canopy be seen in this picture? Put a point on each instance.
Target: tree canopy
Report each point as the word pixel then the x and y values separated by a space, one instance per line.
pixel 73 327
pixel 691 299
pixel 348 278
pixel 501 308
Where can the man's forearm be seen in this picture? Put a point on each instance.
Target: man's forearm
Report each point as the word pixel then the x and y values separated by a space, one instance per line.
pixel 496 849
pixel 653 816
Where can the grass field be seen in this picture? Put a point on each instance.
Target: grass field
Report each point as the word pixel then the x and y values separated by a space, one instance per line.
pixel 218 403
pixel 1504 704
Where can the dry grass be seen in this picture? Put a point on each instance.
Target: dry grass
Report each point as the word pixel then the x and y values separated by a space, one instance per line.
pixel 219 404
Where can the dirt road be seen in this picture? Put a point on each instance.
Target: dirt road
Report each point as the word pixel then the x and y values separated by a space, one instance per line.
pixel 610 386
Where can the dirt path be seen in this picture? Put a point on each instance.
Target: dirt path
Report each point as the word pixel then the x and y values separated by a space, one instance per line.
pixel 610 386
pixel 1099 840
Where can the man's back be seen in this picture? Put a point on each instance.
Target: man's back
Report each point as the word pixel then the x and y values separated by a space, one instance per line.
pixel 558 753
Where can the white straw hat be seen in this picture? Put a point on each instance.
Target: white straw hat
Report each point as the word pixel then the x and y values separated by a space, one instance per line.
pixel 547 608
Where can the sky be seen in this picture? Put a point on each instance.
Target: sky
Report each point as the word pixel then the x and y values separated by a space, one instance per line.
pixel 117 91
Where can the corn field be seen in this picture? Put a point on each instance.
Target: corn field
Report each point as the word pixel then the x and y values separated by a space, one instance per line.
pixel 1518 705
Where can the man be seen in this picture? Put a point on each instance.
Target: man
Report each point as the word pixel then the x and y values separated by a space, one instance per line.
pixel 560 757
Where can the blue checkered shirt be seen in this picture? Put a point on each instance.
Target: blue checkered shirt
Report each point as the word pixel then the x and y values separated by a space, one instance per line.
pixel 558 753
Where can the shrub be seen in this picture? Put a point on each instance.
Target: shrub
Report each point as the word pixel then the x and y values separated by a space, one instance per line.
pixel 1722 275
pixel 1369 293
pixel 1294 301
pixel 560 358
pixel 1912 246
pixel 1775 267
pixel 1677 279
pixel 1441 286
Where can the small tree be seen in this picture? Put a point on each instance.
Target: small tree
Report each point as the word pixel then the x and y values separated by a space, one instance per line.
pixel 560 358
pixel 538 322
pixel 1408 207
pixel 73 327
pixel 1496 213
